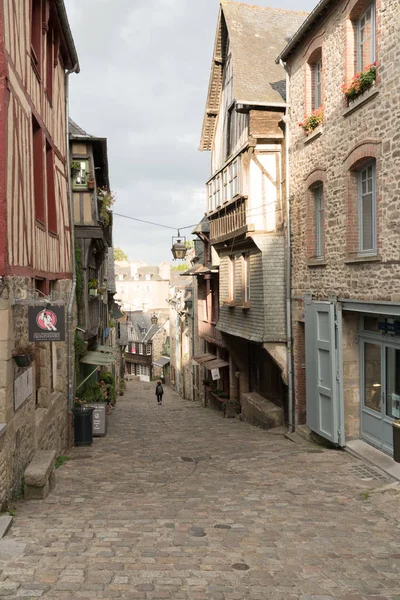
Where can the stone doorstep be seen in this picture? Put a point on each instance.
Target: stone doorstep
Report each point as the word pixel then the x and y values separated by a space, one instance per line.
pixel 375 457
pixel 5 524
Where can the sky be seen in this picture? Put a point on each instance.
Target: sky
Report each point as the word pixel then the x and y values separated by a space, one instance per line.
pixel 145 66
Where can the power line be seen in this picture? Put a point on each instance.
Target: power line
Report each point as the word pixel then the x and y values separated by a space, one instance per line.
pixel 152 222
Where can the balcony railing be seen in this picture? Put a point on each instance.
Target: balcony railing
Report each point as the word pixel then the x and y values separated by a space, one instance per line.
pixel 229 221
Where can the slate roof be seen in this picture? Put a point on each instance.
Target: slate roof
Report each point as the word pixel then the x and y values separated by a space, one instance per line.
pixel 256 36
pixel 144 329
pixel 313 20
pixel 76 131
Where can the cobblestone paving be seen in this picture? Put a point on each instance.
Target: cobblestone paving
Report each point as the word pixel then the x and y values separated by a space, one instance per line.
pixel 179 503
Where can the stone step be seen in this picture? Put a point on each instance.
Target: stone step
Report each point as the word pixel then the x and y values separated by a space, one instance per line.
pixel 5 524
pixel 261 412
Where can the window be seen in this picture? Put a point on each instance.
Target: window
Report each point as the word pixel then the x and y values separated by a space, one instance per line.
pixel 80 175
pixel 36 34
pixel 148 277
pixel 231 278
pixel 225 192
pixel 246 277
pixel 217 191
pixel 229 132
pixel 133 348
pixel 49 65
pixel 148 349
pixel 210 196
pixel 367 208
pixel 38 170
pixel 317 84
pixel 233 178
pixel 366 38
pixel 319 220
pixel 141 349
pixel 51 193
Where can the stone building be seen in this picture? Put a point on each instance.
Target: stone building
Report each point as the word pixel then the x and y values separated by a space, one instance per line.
pixel 149 337
pixel 182 326
pixel 246 203
pixel 142 287
pixel 345 211
pixel 36 265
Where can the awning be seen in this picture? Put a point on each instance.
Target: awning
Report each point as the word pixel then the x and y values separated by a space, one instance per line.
pixel 216 364
pixel 203 358
pixel 107 349
pixel 161 362
pixel 98 358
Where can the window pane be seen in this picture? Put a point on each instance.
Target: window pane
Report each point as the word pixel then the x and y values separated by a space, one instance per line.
pixel 372 377
pixel 393 383
pixel 319 221
pixel 367 225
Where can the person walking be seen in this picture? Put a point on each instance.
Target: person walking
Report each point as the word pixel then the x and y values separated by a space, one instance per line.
pixel 159 392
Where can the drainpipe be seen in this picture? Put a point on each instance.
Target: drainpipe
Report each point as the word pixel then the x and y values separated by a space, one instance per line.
pixel 288 270
pixel 75 69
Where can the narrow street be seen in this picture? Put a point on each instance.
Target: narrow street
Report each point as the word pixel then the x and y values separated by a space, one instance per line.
pixel 179 503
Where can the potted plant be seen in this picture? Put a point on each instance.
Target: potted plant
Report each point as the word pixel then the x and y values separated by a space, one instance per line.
pixel 24 354
pixel 312 121
pixel 231 408
pixel 93 284
pixel 91 182
pixel 75 167
pixel 361 82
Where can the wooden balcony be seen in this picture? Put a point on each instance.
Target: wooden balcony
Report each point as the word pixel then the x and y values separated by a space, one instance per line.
pixel 229 222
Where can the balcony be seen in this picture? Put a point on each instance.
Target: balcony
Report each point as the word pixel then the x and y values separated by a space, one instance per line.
pixel 229 222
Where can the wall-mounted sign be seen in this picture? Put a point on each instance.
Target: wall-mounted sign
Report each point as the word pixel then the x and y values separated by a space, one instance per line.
pixel 46 324
pixel 215 374
pixel 23 387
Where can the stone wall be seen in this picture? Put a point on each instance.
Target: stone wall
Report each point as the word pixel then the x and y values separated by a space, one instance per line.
pixel 41 420
pixel 372 129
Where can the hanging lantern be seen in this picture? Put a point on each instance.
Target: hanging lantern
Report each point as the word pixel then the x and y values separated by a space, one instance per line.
pixel 154 319
pixel 179 247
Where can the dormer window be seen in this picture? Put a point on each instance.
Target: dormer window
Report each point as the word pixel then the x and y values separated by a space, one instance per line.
pixel 148 277
pixel 80 174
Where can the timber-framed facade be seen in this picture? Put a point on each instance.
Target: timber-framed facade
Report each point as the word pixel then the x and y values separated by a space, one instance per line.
pixel 36 52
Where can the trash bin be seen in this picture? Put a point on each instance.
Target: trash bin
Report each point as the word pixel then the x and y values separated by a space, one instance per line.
pixel 396 440
pixel 83 426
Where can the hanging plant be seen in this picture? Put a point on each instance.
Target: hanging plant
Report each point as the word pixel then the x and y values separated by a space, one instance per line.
pixel 106 198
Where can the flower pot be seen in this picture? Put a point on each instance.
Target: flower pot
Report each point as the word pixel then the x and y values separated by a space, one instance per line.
pixel 23 360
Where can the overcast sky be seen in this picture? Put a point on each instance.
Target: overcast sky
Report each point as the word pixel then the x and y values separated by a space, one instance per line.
pixel 145 66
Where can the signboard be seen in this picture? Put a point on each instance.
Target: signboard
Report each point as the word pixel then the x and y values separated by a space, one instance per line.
pixel 395 406
pixel 46 324
pixel 23 387
pixel 99 418
pixel 215 374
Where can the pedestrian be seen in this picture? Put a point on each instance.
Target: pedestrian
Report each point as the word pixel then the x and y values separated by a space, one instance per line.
pixel 159 392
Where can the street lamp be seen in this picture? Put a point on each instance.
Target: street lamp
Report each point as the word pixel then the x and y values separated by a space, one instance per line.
pixel 179 247
pixel 154 319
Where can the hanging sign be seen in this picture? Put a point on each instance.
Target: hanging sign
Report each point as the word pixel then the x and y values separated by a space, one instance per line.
pixel 46 324
pixel 215 374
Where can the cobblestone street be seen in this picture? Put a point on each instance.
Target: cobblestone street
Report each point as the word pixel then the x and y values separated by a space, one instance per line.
pixel 179 503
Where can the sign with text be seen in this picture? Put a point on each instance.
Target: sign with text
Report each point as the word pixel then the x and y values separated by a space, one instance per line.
pixel 99 418
pixel 46 324
pixel 23 387
pixel 215 374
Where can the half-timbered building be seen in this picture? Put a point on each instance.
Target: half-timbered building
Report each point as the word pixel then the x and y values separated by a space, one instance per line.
pixel 246 204
pixel 37 53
